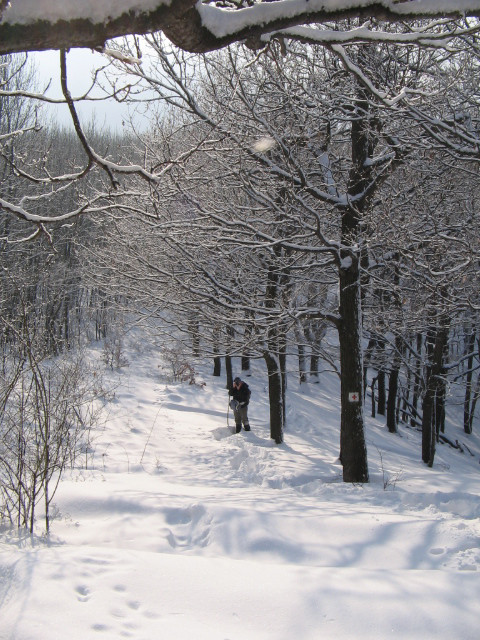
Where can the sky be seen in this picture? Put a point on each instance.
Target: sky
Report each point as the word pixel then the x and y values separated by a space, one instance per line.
pixel 172 527
pixel 80 66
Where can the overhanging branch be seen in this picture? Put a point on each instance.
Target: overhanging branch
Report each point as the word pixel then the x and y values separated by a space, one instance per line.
pixel 196 26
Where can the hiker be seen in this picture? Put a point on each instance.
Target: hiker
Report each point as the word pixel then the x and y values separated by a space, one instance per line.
pixel 240 393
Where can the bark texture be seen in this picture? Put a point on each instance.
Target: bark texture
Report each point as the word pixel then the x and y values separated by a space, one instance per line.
pixel 181 23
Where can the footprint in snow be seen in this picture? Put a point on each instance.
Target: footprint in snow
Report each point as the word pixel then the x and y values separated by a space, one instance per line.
pixel 83 593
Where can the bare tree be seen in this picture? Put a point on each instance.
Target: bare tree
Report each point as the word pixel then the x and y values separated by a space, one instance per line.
pixel 311 211
pixel 46 411
pixel 422 304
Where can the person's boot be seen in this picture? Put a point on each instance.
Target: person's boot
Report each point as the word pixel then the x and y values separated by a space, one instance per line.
pixel 246 427
pixel 238 428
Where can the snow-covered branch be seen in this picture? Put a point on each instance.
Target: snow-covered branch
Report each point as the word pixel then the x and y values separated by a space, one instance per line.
pixel 438 34
pixel 30 25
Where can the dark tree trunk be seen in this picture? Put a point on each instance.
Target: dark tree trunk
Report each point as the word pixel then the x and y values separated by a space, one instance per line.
pixel 302 363
pixel 428 432
pixel 314 333
pixel 228 369
pixel 217 361
pixel 440 404
pixel 406 395
pixel 433 392
pixel 276 389
pixel 418 380
pixel 314 360
pixel 382 396
pixel 275 396
pixel 372 386
pixel 392 416
pixel 392 400
pixel 467 422
pixel 353 450
pixel 283 372
pixel 476 395
pixel 247 337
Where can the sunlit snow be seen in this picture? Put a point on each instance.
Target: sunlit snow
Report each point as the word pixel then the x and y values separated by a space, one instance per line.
pixel 180 530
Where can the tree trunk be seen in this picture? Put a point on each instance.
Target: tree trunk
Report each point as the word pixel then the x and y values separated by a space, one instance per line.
pixel 392 400
pixel 217 361
pixel 314 360
pixel 476 395
pixel 433 393
pixel 468 385
pixel 392 417
pixel 440 404
pixel 282 358
pixel 246 365
pixel 418 379
pixel 382 396
pixel 228 369
pixel 353 450
pixel 314 333
pixel 372 386
pixel 302 363
pixel 275 396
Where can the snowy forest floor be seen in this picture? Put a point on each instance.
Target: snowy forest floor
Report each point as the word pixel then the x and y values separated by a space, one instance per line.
pixel 179 530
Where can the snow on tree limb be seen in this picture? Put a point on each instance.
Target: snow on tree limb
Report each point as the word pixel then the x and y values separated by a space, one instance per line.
pixel 425 36
pixel 30 25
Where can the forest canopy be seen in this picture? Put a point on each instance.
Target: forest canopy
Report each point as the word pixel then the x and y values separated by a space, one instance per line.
pixel 323 176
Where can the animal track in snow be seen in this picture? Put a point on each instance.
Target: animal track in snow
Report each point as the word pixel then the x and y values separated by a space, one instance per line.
pixel 125 617
pixel 83 593
pixel 188 527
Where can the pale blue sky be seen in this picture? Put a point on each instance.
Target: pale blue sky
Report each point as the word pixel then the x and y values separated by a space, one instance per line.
pixel 80 64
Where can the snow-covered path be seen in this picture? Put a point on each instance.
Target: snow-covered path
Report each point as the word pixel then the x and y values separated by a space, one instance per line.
pixel 179 530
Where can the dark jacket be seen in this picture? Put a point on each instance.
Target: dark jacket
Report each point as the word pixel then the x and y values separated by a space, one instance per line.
pixel 241 395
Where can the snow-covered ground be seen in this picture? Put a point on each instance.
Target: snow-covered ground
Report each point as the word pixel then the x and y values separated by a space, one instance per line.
pixel 178 530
